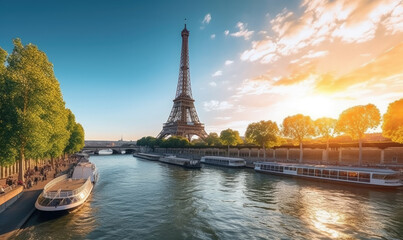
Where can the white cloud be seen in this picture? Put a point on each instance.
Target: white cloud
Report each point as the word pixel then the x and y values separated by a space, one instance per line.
pixel 213 84
pixel 215 105
pixel 325 21
pixel 229 62
pixel 312 54
pixel 226 32
pixel 212 36
pixel 207 19
pixel 216 74
pixel 243 31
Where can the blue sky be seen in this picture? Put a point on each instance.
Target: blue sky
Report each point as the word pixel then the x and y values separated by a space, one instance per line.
pixel 118 61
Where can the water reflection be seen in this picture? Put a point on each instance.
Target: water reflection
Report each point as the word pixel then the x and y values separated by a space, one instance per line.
pixel 140 199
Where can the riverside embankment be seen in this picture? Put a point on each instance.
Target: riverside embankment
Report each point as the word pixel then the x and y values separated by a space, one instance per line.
pixel 15 215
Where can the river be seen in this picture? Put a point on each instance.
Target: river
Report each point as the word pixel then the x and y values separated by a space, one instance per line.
pixel 140 199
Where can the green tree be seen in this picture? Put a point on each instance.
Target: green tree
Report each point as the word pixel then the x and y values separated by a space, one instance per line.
pixel 76 134
pixel 176 142
pixel 392 126
pixel 263 133
pixel 149 141
pixel 325 127
pixel 230 137
pixel 35 106
pixel 213 139
pixel 355 121
pixel 7 151
pixel 298 127
pixel 198 142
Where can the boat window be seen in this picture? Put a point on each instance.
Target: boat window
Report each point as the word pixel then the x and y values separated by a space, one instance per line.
pixel 286 168
pixel 300 171
pixel 333 173
pixel 392 177
pixel 378 176
pixel 343 175
pixel 325 173
pixel 318 173
pixel 311 172
pixel 305 172
pixel 353 176
pixel 281 169
pixel 364 177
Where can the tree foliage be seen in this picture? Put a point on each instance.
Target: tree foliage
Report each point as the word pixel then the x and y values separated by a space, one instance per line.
pixel 355 121
pixel 175 142
pixel 33 116
pixel 76 132
pixel 263 133
pixel 392 126
pixel 298 127
pixel 325 127
pixel 230 137
pixel 213 139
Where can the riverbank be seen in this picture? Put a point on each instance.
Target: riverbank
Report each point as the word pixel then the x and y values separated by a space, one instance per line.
pixel 14 217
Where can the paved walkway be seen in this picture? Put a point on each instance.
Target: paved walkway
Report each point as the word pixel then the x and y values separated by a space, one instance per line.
pixel 12 219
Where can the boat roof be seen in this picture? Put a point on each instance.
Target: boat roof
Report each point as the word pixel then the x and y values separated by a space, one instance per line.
pixel 67 185
pixel 345 168
pixel 177 158
pixel 147 154
pixel 224 158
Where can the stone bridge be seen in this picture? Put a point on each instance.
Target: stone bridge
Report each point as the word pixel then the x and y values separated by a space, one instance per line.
pixel 127 149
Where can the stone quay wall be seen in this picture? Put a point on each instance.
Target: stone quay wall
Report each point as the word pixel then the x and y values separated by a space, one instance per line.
pixel 339 156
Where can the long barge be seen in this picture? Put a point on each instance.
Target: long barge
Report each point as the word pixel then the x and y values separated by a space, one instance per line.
pixel 371 177
pixel 183 162
pixel 152 157
pixel 224 161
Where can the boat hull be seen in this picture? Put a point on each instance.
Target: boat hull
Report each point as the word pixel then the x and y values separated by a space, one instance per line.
pixel 67 207
pixel 220 165
pixel 145 157
pixel 198 166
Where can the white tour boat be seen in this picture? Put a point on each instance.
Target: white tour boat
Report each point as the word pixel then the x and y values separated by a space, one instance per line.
pixel 223 161
pixel 152 157
pixel 64 193
pixel 184 162
pixel 384 178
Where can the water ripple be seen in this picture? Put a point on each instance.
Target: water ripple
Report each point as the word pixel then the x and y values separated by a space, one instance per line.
pixel 139 199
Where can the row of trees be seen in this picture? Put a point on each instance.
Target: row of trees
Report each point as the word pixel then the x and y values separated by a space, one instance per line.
pixel 354 121
pixel 34 122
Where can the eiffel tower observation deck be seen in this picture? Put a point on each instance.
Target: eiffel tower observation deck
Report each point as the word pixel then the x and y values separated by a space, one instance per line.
pixel 183 120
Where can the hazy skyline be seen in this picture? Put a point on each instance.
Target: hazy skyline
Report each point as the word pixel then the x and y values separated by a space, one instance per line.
pixel 118 63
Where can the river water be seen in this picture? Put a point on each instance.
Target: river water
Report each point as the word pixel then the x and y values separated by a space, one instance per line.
pixel 140 199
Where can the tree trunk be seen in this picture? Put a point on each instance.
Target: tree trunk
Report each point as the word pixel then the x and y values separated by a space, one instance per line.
pixel 360 152
pixel 301 153
pixel 327 152
pixel 21 166
pixel 264 153
pixel 228 150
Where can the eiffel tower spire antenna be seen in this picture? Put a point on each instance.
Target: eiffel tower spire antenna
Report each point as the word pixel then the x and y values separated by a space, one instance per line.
pixel 183 120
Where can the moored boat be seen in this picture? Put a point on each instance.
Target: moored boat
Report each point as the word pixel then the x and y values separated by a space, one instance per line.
pixel 152 157
pixel 223 161
pixel 64 193
pixel 372 177
pixel 183 162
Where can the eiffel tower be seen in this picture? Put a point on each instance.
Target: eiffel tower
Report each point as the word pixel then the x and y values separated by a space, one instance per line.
pixel 183 120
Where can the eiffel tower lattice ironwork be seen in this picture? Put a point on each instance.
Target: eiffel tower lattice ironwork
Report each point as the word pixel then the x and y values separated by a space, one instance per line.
pixel 183 120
